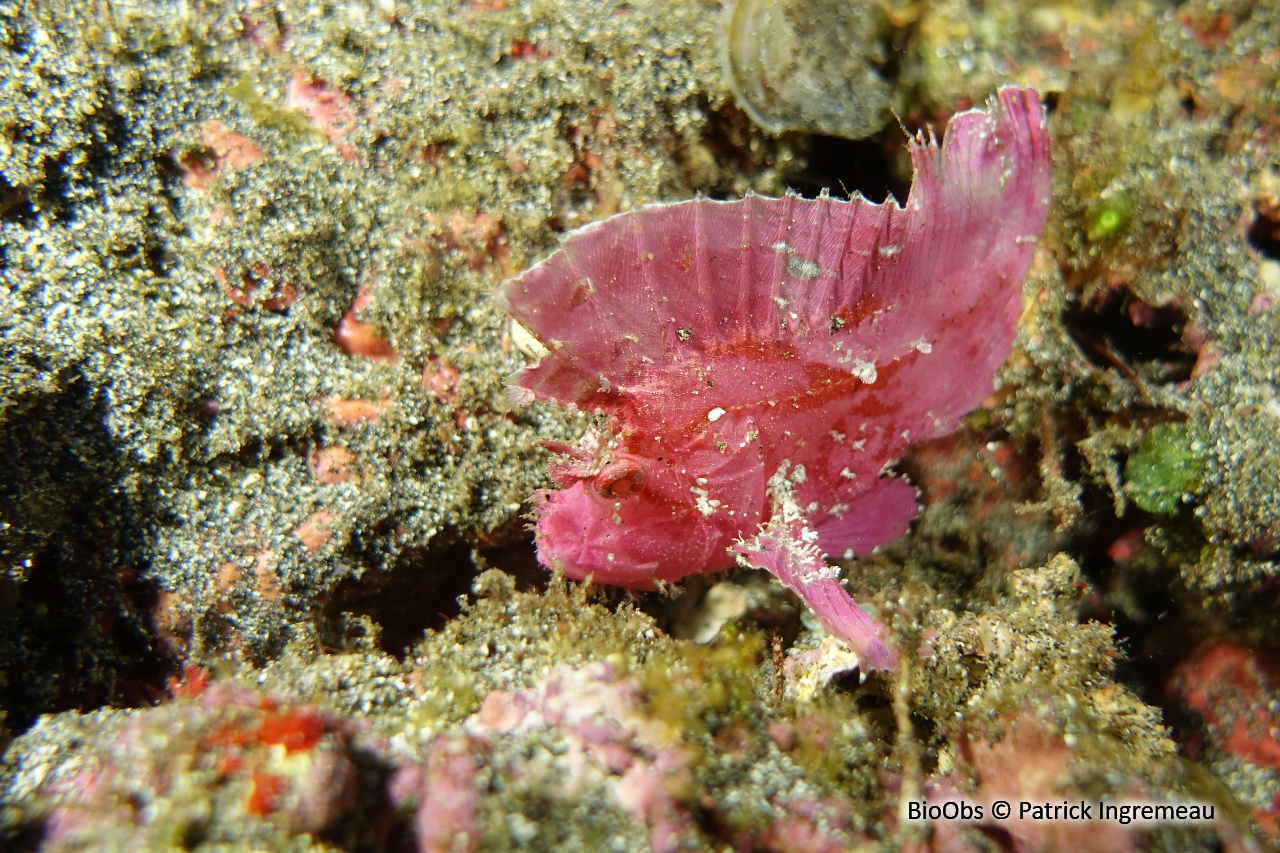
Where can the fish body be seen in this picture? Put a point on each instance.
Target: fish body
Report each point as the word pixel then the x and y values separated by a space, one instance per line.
pixel 768 358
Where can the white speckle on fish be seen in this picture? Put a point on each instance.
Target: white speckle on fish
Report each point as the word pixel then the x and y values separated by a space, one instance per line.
pixel 865 371
pixel 803 268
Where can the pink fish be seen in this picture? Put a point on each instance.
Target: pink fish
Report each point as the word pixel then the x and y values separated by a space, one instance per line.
pixel 762 361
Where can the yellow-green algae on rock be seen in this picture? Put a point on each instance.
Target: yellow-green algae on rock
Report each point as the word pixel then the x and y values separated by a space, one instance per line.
pixel 736 742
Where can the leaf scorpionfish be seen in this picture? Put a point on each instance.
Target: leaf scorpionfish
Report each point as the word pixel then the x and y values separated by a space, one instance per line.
pixel 762 361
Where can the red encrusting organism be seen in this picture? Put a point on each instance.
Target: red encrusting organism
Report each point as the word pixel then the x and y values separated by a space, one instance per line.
pixel 763 360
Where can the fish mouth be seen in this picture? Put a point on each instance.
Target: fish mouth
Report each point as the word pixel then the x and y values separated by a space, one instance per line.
pixel 634 542
pixel 577 537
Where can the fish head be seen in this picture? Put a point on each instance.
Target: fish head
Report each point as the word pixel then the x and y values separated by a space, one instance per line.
pixel 617 527
pixel 635 518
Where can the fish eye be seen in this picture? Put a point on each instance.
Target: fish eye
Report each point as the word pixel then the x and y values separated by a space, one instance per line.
pixel 619 479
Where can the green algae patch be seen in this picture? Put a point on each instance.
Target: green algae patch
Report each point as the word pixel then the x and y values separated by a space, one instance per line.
pixel 1168 464
pixel 700 687
pixel 287 121
pixel 1108 221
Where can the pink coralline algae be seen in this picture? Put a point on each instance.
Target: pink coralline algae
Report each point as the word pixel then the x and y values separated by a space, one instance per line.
pixel 763 360
pixel 609 742
pixel 1030 763
pixel 220 755
pixel 606 744
pixel 1235 691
